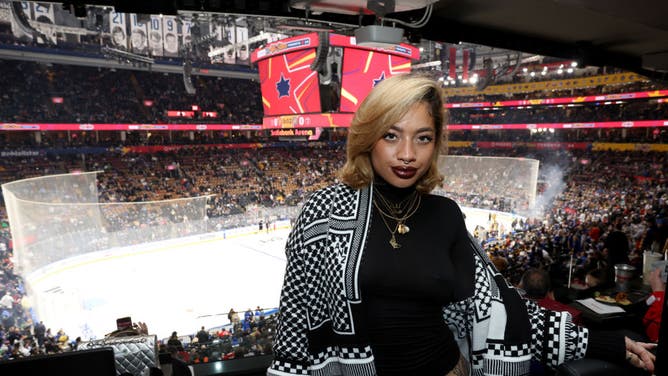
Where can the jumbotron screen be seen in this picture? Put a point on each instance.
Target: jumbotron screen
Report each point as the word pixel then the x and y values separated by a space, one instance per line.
pixel 345 73
pixel 362 70
pixel 288 84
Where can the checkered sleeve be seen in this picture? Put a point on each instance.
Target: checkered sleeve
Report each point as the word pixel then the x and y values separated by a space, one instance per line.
pixel 551 337
pixel 290 345
pixel 555 339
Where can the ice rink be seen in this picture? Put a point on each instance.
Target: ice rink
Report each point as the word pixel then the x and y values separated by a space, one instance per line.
pixel 174 285
pixel 180 284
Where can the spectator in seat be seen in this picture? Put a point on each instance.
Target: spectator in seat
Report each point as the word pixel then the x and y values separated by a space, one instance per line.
pixel 223 333
pixel 616 250
pixel 40 332
pixel 652 318
pixel 202 336
pixel 248 315
pixel 7 301
pixel 537 286
pixel 233 316
pixel 179 366
pixel 174 341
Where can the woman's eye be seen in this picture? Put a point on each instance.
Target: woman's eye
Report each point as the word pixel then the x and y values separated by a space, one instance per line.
pixel 390 136
pixel 425 139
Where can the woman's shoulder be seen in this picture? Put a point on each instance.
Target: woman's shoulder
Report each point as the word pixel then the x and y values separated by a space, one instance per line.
pixel 328 192
pixel 441 202
pixel 318 203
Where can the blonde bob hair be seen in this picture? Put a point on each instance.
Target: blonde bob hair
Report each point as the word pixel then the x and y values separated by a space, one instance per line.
pixel 385 105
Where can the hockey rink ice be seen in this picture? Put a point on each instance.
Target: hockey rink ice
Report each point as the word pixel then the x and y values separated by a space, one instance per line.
pixel 175 285
pixel 179 284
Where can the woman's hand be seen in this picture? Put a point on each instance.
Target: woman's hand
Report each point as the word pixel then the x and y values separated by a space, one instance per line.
pixel 142 328
pixel 638 354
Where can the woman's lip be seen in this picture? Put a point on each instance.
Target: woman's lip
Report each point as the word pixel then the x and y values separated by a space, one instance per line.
pixel 404 172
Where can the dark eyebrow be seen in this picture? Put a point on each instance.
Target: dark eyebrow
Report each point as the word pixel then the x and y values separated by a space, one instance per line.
pixel 420 130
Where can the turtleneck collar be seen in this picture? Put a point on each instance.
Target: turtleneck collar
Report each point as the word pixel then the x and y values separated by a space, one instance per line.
pixel 391 192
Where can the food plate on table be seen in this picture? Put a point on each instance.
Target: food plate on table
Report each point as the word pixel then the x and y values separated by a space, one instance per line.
pixel 605 299
pixel 620 298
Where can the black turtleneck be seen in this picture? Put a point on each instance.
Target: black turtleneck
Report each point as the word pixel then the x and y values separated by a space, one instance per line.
pixel 405 289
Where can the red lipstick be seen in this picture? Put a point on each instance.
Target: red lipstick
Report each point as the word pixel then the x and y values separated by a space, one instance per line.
pixel 404 172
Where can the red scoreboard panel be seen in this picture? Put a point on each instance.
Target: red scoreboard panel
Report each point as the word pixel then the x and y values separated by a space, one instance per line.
pixel 290 88
pixel 288 84
pixel 363 69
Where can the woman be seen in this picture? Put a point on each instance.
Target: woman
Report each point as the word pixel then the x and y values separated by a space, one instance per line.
pixel 383 278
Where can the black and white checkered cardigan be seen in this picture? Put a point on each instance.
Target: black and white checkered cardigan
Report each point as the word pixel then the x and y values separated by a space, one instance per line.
pixel 496 330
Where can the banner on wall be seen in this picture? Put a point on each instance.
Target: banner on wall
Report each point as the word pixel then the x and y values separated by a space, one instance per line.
pixel 44 13
pixel 186 36
pixel 155 36
pixel 230 34
pixel 605 146
pixel 139 35
pixel 171 36
pixel 242 52
pixel 118 30
pixel 563 100
pixel 572 83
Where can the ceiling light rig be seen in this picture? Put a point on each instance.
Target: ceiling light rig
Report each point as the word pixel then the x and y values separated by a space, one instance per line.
pixel 379 35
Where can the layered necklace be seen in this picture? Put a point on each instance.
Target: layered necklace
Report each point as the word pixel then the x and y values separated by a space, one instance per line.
pixel 395 215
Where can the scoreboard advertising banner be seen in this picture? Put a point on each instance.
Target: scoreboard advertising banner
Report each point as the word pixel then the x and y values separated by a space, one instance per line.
pixel 292 87
pixel 287 82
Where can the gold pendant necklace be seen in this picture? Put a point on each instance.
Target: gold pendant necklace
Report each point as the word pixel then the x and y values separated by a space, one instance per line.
pixel 412 204
pixel 402 228
pixel 394 243
pixel 393 240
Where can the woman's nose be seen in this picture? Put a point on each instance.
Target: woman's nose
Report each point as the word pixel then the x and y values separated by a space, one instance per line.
pixel 406 151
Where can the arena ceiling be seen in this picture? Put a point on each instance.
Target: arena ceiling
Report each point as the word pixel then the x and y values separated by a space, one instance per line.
pixel 626 34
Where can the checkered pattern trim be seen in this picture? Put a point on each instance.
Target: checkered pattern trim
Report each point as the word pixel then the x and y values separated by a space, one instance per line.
pixel 499 349
pixel 504 367
pixel 483 289
pixel 348 353
pixel 554 337
pixel 579 336
pixel 350 216
pixel 537 319
pixel 551 336
pixel 337 360
pixel 279 367
pixel 356 352
pixel 301 309
pixel 456 316
pixel 325 241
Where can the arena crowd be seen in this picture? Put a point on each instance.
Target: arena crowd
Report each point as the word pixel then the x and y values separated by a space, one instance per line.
pixel 594 195
pixel 603 191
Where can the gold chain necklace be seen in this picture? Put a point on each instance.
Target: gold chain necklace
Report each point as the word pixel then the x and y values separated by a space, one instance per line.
pixel 398 208
pixel 400 211
pixel 411 207
pixel 393 240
